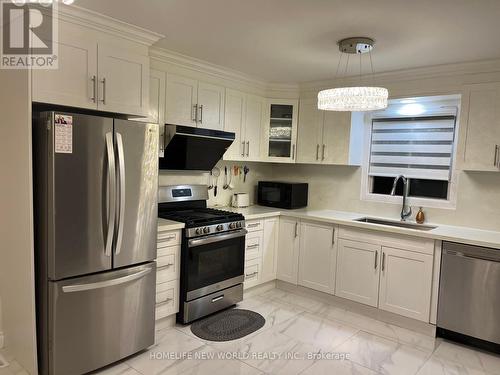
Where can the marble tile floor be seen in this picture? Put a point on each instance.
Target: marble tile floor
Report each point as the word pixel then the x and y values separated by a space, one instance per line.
pixel 304 335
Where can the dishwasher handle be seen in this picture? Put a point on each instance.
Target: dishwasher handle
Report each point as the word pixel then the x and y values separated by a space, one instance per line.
pixel 472 252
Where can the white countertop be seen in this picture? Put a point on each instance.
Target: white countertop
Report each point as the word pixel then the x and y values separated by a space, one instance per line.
pixel 464 235
pixel 164 225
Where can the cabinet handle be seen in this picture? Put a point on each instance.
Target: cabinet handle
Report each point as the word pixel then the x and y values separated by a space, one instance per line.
pixel 243 146
pixel 296 229
pixel 333 237
pixel 317 152
pixel 164 302
pixel 195 114
pixel 103 100
pixel 201 114
pixel 165 266
pixel 376 259
pixel 495 159
pixel 383 261
pixel 251 274
pixel 172 237
pixel 252 246
pixel 323 153
pixel 93 97
pixel 217 298
pixel 248 148
pixel 293 152
pixel 253 225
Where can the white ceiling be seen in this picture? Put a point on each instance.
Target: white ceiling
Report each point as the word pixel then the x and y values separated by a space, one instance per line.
pixel 295 40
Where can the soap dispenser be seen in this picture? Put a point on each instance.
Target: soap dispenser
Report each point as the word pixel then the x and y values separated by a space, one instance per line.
pixel 420 218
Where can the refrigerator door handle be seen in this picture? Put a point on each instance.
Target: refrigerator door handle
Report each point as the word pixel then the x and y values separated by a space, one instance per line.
pixel 121 184
pixel 105 283
pixel 111 193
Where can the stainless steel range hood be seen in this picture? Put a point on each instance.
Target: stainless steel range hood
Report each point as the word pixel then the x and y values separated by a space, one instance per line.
pixel 188 148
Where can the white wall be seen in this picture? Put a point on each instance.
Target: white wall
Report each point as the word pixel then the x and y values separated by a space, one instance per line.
pixel 1 330
pixel 338 188
pixel 16 218
pixel 258 171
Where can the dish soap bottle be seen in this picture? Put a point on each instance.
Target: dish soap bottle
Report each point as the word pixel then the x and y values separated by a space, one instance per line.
pixel 420 218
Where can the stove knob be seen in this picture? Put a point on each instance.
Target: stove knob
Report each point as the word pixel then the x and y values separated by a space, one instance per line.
pixel 206 230
pixel 238 224
pixel 219 227
pixel 232 225
pixel 199 231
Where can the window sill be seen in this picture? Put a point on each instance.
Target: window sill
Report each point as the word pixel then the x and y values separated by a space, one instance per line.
pixel 411 201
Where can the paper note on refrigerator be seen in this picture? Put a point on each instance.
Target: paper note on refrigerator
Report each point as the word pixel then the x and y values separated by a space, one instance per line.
pixel 63 134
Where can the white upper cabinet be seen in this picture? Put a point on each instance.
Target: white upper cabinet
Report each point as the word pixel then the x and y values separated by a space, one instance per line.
pixel 156 109
pixel 406 283
pixel 254 112
pixel 310 132
pixel 336 138
pixel 123 83
pixel 358 266
pixel 181 100
pixel 280 131
pixel 193 103
pixel 95 74
pixel 210 106
pixel 234 123
pixel 323 136
pixel 288 250
pixel 243 116
pixel 74 83
pixel 318 257
pixel 482 137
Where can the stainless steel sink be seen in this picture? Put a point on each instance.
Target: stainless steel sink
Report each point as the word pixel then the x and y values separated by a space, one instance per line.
pixel 401 224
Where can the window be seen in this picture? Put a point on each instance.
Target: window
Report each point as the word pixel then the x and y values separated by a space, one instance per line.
pixel 421 148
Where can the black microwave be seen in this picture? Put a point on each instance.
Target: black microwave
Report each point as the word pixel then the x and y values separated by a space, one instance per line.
pixel 287 195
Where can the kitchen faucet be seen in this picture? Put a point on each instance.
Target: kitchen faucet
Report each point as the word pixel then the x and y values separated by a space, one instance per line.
pixel 405 210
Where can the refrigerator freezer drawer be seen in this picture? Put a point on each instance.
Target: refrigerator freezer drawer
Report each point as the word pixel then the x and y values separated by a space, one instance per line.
pixel 99 319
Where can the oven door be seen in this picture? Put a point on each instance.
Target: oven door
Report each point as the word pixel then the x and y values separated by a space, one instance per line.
pixel 214 262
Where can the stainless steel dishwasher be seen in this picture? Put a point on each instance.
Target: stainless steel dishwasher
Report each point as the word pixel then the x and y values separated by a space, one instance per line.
pixel 469 295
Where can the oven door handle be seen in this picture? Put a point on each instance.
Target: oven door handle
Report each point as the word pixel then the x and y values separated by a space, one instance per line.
pixel 216 238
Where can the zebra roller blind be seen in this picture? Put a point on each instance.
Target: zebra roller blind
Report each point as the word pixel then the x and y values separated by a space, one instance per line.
pixel 416 147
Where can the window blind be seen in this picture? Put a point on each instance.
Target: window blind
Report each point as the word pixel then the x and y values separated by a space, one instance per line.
pixel 416 148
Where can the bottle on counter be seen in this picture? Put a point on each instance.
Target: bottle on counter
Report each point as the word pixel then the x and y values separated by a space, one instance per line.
pixel 420 218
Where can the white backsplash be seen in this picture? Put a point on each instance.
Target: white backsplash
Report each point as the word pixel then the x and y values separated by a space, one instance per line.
pixel 258 172
pixel 338 188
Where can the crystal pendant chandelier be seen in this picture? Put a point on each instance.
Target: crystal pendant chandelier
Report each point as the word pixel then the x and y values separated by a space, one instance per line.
pixel 357 98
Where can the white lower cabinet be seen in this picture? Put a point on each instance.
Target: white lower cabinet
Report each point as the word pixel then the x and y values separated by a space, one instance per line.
pixel 317 257
pixel 358 271
pixel 288 250
pixel 252 273
pixel 406 283
pixel 388 271
pixel 167 273
pixel 269 249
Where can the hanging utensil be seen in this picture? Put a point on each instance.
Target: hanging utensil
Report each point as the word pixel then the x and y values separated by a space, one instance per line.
pixel 231 185
pixel 216 174
pixel 226 185
pixel 210 183
pixel 245 172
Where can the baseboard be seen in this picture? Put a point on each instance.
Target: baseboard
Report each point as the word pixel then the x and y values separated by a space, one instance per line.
pixel 371 312
pixel 167 322
pixel 1 340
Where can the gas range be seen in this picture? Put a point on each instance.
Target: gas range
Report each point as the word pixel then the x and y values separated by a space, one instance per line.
pixel 212 251
pixel 203 221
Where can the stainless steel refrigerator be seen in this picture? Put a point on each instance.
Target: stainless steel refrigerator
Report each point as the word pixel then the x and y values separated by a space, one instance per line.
pixel 95 193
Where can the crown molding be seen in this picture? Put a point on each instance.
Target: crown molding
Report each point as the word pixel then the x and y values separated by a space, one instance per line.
pixel 435 71
pixel 100 22
pixel 202 66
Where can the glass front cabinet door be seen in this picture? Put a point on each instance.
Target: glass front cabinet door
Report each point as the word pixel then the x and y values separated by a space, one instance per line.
pixel 281 132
